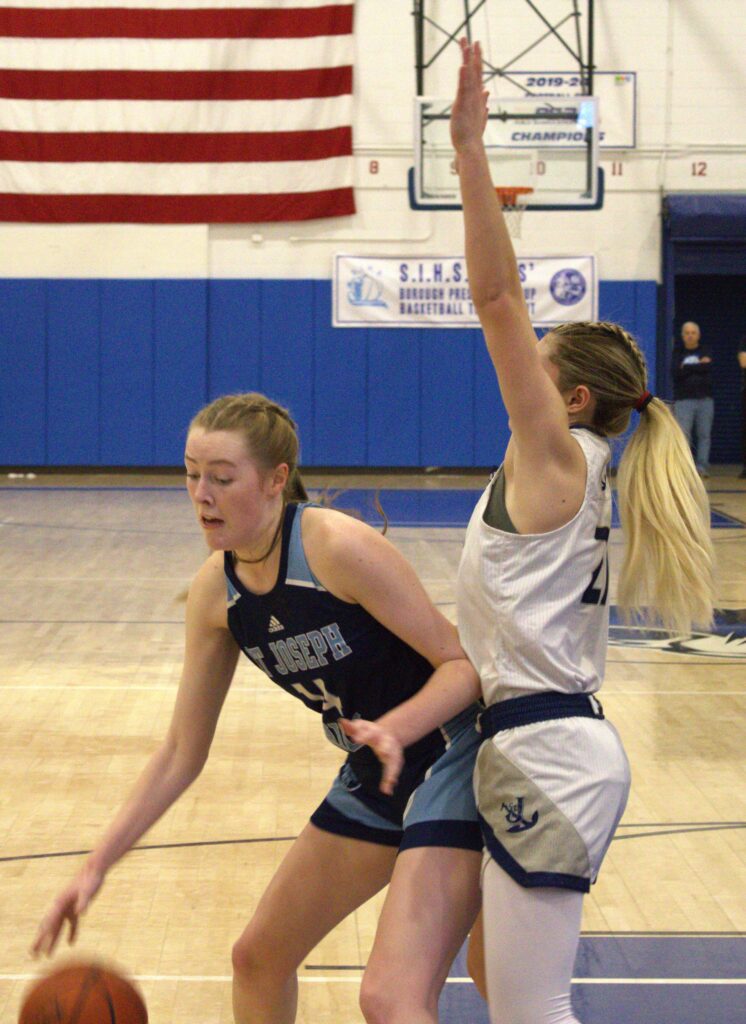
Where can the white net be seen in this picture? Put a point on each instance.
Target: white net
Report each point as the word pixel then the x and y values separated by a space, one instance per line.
pixel 513 202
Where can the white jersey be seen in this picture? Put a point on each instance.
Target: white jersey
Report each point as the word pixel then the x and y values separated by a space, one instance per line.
pixel 532 608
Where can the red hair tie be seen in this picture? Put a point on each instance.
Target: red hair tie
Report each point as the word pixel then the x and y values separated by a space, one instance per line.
pixel 643 401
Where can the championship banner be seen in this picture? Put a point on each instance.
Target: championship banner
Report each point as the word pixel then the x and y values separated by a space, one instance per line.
pixel 433 291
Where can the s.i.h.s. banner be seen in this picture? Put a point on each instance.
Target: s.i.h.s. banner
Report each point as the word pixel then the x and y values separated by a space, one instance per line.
pixel 433 291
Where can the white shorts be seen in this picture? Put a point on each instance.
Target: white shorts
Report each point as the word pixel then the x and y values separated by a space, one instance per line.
pixel 550 795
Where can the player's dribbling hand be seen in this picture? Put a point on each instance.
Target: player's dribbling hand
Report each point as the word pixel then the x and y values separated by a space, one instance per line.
pixel 469 110
pixel 68 906
pixel 385 746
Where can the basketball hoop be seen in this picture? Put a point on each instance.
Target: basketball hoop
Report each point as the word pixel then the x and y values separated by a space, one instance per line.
pixel 513 200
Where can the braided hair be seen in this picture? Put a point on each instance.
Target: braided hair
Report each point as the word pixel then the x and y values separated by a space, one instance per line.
pixel 271 436
pixel 270 433
pixel 609 361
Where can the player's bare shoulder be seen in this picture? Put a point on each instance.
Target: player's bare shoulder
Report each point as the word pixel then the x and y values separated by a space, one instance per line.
pixel 335 544
pixel 336 532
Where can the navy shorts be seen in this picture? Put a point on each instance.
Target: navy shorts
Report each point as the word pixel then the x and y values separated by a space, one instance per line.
pixel 438 809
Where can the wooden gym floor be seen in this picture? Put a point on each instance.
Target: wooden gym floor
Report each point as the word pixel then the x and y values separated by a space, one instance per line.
pixel 91 569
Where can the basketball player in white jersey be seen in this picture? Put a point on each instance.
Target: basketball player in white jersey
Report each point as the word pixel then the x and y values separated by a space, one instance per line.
pixel 552 777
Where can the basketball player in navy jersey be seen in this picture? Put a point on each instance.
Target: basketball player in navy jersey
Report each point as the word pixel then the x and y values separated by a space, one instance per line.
pixel 533 597
pixel 334 615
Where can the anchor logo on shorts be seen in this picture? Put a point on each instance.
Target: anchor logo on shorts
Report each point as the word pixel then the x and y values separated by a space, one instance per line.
pixel 514 816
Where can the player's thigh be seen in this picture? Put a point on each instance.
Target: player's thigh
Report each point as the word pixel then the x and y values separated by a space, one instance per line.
pixel 529 933
pixel 322 879
pixel 432 902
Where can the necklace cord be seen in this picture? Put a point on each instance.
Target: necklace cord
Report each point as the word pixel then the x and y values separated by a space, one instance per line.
pixel 272 546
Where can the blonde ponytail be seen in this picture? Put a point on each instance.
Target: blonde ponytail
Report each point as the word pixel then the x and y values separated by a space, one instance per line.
pixel 667 573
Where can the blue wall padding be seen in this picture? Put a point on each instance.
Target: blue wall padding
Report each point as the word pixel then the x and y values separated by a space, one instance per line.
pixel 73 372
pixel 233 336
pixel 23 372
pixel 109 372
pixel 286 370
pixel 340 386
pixel 490 420
pixel 179 364
pixel 447 399
pixel 394 392
pixel 127 385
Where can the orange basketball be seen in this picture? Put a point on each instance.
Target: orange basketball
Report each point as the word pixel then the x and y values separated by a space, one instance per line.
pixel 83 993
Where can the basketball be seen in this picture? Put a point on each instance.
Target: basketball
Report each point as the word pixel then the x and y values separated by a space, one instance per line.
pixel 83 993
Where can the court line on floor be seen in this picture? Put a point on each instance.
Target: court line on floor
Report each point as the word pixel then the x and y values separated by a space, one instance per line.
pixel 666 828
pixel 696 661
pixel 675 824
pixel 92 622
pixel 637 934
pixel 156 846
pixel 668 831
pixel 72 528
pixel 357 978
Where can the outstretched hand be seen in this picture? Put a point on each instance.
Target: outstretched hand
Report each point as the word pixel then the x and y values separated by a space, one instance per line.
pixel 385 746
pixel 469 111
pixel 68 906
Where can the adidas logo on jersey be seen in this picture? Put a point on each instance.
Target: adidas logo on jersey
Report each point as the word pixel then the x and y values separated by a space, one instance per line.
pixel 275 626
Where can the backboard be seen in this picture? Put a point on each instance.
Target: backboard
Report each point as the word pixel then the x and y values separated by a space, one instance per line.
pixel 547 143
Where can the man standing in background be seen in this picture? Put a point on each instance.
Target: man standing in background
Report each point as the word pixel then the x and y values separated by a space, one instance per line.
pixel 692 392
pixel 742 364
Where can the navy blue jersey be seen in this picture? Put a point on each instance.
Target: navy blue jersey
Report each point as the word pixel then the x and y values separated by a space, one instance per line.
pixel 331 654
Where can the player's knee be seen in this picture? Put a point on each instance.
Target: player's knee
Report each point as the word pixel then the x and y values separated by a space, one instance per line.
pixel 245 956
pixel 255 954
pixel 375 1000
pixel 382 1002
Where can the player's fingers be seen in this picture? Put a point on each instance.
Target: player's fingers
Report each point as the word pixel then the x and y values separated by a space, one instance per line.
pixel 45 935
pixel 55 929
pixel 390 777
pixel 359 730
pixel 44 943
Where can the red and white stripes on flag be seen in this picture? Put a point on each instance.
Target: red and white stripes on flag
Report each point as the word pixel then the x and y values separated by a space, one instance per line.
pixel 176 111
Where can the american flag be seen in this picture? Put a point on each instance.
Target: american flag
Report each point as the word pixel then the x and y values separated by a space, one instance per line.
pixel 176 111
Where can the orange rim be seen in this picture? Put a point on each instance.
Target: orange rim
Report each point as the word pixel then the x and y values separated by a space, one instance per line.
pixel 508 194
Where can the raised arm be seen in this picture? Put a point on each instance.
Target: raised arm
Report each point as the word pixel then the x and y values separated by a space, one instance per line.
pixel 209 664
pixel 538 416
